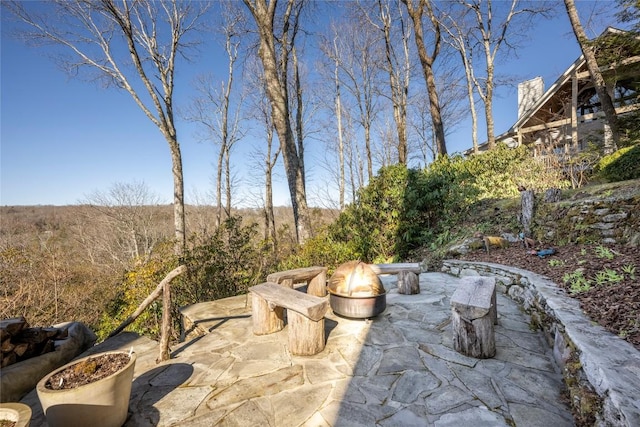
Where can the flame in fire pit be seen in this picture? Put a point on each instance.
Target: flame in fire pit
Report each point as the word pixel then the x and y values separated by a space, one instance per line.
pixel 355 279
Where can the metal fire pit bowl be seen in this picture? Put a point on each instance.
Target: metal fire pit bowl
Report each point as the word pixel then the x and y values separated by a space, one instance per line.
pixel 356 291
pixel 357 307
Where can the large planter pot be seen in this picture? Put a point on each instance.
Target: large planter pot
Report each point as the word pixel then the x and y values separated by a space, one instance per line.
pixel 102 403
pixel 19 413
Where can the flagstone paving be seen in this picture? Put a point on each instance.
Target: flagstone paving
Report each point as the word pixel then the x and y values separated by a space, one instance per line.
pixel 398 369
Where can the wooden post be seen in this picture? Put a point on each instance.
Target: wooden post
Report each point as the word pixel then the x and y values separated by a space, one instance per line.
pixel 306 337
pixel 408 282
pixel 266 317
pixel 527 201
pixel 574 113
pixel 165 332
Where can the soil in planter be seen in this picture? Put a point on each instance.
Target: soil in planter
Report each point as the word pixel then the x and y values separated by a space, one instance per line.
pixel 88 371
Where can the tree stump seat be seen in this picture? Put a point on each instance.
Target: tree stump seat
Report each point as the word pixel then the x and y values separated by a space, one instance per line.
pixel 314 277
pixel 473 315
pixel 305 316
pixel 408 275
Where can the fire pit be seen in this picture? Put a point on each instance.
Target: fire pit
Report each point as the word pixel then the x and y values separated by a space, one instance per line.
pixel 356 291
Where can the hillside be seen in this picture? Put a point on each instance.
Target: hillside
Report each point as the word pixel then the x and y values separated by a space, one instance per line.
pixel 604 277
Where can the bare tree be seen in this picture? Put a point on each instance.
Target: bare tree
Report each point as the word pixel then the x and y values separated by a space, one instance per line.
pixel 124 222
pixel 338 112
pixel 491 32
pixel 275 64
pixel 154 35
pixel 358 62
pixel 267 154
pixel 457 29
pixel 331 49
pixel 594 70
pixel 213 110
pixel 397 66
pixel 416 10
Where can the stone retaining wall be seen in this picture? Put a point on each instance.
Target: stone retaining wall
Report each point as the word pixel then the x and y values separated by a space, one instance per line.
pixel 602 371
pixel 606 220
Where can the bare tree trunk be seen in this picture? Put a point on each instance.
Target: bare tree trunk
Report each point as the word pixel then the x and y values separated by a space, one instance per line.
pixel 488 106
pixel 178 196
pixel 219 188
pixel 227 175
pixel 399 74
pixel 594 71
pixel 415 13
pixel 276 83
pixel 299 124
pixel 340 147
pixel 341 182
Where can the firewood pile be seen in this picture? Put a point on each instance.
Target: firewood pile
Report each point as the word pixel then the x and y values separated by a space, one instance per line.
pixel 20 342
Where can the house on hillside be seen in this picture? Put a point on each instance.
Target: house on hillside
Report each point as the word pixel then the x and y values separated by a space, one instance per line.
pixel 567 117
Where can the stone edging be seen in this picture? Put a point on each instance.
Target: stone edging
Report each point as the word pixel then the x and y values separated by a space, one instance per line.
pixel 610 365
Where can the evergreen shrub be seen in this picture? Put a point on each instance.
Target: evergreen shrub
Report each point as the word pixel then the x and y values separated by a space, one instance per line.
pixel 621 165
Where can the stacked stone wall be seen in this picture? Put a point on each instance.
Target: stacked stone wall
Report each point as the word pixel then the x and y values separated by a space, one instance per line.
pixel 613 220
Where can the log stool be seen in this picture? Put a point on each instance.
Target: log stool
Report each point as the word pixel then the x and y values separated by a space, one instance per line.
pixel 473 315
pixel 408 275
pixel 305 316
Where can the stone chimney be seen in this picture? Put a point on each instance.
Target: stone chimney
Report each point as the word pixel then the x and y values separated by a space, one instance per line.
pixel 529 92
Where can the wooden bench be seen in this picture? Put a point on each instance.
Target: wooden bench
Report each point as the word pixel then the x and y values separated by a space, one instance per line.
pixel 314 277
pixel 305 316
pixel 473 315
pixel 408 275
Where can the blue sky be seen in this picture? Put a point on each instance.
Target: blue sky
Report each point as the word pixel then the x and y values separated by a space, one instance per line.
pixel 62 138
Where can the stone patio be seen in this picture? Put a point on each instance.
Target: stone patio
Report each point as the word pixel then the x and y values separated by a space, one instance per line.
pixel 398 369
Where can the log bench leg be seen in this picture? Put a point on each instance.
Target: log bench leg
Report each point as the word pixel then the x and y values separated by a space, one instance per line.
pixel 408 282
pixel 475 338
pixel 266 317
pixel 306 337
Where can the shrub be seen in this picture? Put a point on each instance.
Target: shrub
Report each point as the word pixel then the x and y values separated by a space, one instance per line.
pixel 622 165
pixel 224 264
pixel 323 249
pixel 136 285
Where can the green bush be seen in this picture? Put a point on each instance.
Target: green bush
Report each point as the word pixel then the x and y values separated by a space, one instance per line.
pixel 622 165
pixel 402 210
pixel 224 264
pixel 370 225
pixel 323 249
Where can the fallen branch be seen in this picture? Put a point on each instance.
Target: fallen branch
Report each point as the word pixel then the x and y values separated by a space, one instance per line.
pixel 152 296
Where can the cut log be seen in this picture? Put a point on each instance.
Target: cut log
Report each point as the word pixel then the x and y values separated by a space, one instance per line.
pixel 408 282
pixel 306 337
pixel 265 319
pixel 13 326
pixel 21 342
pixel 473 315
